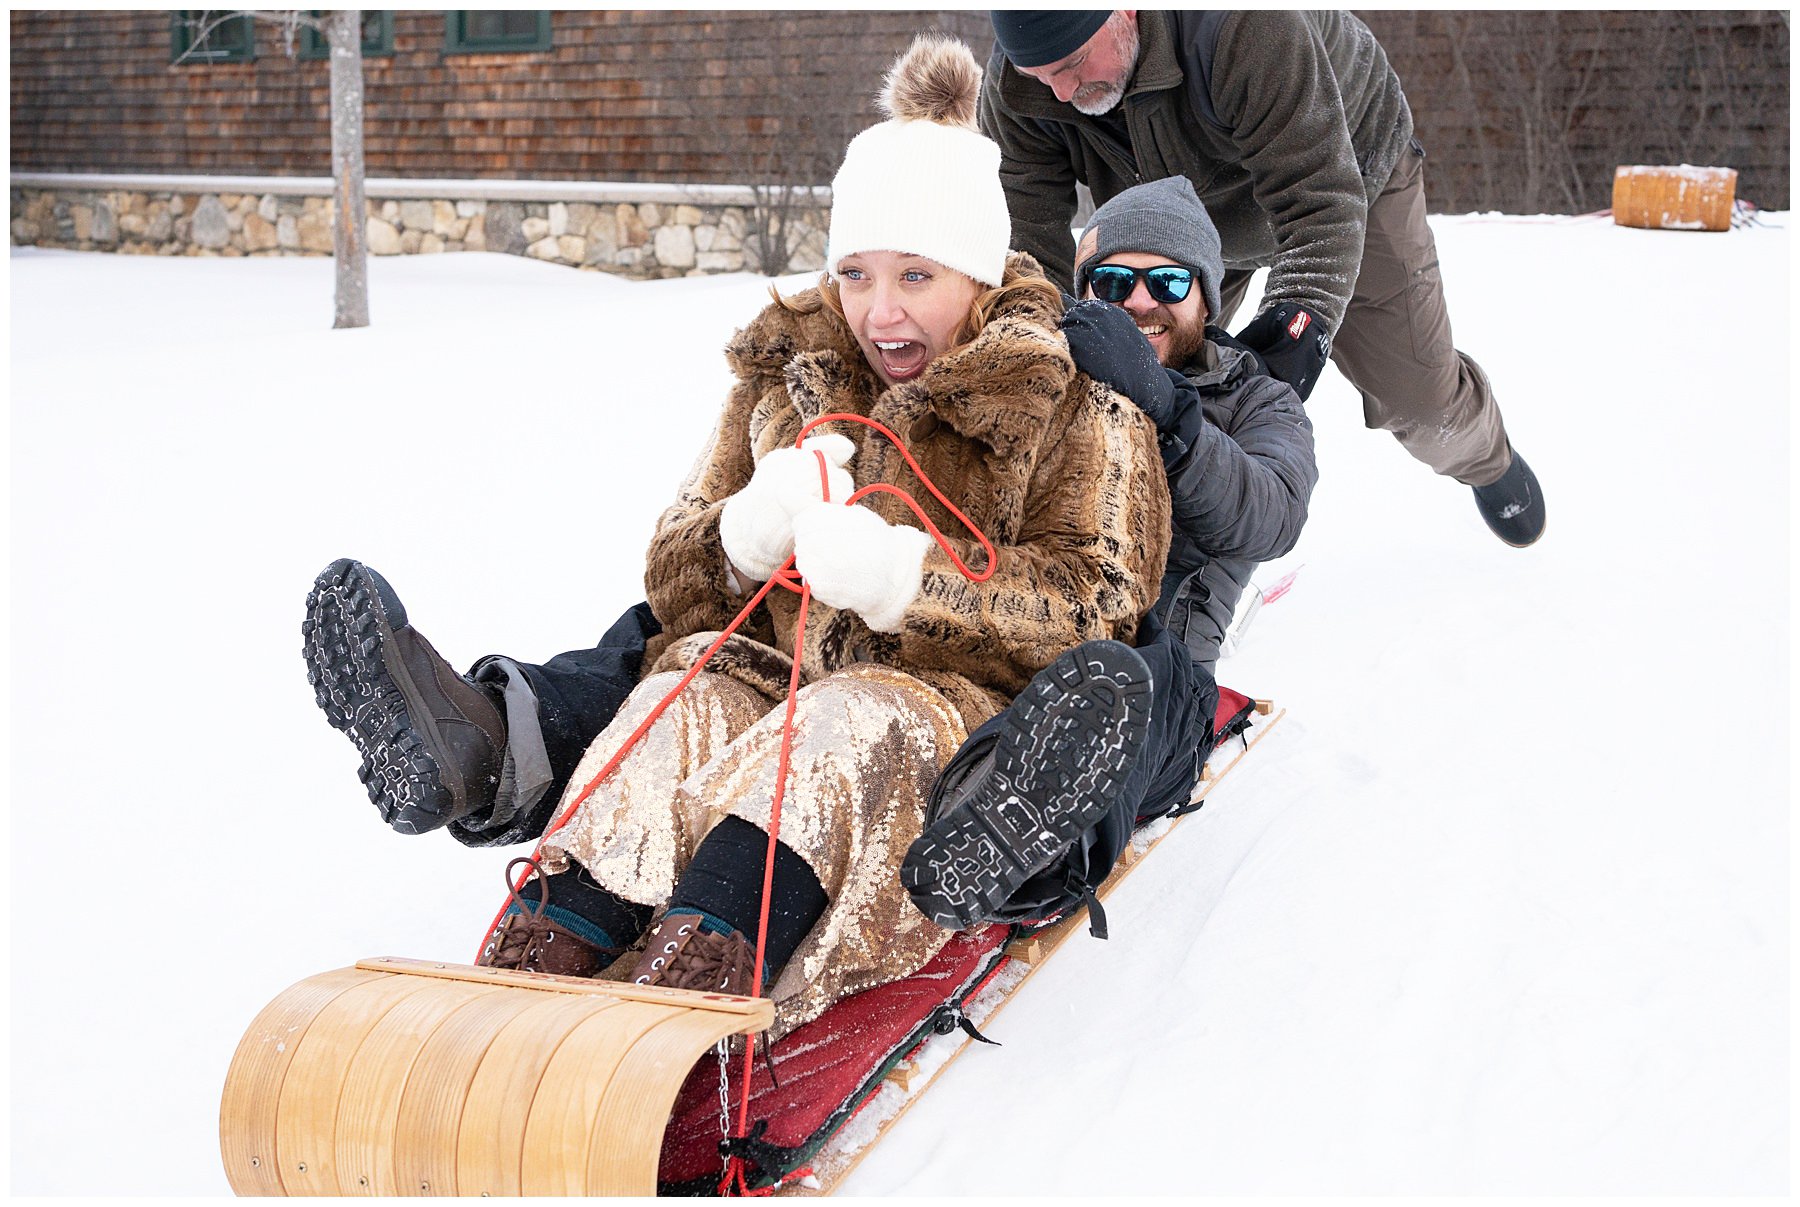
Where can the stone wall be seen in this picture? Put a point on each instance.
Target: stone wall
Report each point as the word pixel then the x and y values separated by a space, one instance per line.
pixel 677 233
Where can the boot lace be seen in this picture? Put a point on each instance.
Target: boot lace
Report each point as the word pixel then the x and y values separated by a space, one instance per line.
pixel 705 961
pixel 515 941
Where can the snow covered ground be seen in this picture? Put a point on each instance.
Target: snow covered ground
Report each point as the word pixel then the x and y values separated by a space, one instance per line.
pixel 1501 908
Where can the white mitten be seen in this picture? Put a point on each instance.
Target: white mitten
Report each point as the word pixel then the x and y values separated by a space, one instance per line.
pixel 855 560
pixel 757 524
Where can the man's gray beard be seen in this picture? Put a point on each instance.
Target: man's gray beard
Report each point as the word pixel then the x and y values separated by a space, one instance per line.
pixel 1108 101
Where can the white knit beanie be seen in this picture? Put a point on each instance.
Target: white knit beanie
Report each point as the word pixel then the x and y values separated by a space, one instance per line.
pixel 925 182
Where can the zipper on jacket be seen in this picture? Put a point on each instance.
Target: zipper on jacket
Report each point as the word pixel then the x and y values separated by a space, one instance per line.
pixel 1123 160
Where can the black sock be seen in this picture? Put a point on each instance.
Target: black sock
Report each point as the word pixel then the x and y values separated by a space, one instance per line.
pixel 579 904
pixel 725 881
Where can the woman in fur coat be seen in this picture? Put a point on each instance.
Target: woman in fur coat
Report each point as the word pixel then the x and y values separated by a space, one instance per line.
pixel 926 324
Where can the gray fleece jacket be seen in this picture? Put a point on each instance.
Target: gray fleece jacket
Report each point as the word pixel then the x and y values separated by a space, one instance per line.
pixel 1288 124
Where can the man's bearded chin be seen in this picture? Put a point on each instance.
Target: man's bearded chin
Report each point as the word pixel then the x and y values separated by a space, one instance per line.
pixel 1097 99
pixel 1183 340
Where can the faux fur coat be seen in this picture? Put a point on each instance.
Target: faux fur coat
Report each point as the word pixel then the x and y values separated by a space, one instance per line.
pixel 1061 473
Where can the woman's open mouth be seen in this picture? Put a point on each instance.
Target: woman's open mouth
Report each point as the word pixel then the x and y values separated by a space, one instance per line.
pixel 901 359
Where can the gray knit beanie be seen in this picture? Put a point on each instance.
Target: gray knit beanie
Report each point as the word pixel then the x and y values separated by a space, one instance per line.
pixel 1162 218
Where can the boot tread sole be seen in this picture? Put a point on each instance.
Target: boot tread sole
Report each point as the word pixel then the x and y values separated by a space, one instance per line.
pixel 345 632
pixel 1061 759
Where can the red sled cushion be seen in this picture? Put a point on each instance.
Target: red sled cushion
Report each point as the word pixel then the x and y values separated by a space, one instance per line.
pixel 829 1068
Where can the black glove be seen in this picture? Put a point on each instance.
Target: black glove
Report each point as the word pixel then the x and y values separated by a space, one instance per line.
pixel 1108 347
pixel 1292 342
pixel 1225 339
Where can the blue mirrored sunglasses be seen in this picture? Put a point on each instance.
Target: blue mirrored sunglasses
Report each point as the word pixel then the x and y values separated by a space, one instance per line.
pixel 1169 283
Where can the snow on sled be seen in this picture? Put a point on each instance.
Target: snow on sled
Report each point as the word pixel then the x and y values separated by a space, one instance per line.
pixel 413 1077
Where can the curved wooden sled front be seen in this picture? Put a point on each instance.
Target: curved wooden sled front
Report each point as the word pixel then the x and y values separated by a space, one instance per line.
pixel 400 1077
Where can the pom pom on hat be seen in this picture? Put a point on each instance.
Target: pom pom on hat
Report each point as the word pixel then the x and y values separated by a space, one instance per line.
pixel 936 80
pixel 926 181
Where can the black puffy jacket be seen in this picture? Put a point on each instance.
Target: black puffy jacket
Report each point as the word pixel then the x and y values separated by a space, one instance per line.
pixel 1241 470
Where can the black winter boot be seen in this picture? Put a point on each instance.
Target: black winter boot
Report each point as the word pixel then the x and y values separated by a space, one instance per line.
pixel 1067 746
pixel 431 740
pixel 1514 506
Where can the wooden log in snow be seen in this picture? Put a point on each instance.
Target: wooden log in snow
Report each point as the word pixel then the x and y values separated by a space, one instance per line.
pixel 1674 198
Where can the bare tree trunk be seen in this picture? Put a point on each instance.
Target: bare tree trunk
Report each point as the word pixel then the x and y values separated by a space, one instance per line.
pixel 349 246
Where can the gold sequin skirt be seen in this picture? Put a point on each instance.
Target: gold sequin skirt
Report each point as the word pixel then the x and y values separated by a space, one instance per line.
pixel 868 743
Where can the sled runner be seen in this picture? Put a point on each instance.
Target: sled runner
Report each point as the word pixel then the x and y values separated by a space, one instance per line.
pixel 398 1076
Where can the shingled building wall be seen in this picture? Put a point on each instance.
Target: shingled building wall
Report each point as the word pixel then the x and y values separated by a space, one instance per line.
pixel 677 97
pixel 1520 111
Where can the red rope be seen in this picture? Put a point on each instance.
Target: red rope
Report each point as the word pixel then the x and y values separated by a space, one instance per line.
pixel 789 578
pixel 937 494
pixel 636 736
pixel 734 1172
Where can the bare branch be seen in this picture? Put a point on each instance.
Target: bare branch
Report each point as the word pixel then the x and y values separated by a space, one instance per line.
pixel 797 136
pixel 201 29
pixel 288 16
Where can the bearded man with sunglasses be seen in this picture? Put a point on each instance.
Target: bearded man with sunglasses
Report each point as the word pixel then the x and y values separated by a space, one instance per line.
pixel 1238 451
pixel 1297 137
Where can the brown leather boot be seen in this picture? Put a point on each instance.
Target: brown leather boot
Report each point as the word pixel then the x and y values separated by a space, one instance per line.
pixel 431 740
pixel 682 956
pixel 529 942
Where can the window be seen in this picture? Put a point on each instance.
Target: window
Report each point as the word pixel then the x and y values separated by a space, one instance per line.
pixel 212 35
pixel 482 31
pixel 378 36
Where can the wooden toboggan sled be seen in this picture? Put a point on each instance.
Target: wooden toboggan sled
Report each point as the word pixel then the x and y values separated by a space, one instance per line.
pixel 411 1077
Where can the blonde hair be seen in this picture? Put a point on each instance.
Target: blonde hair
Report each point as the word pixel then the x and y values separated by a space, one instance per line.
pixel 1016 285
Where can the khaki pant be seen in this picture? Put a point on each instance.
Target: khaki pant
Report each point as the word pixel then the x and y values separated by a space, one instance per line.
pixel 1394 344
